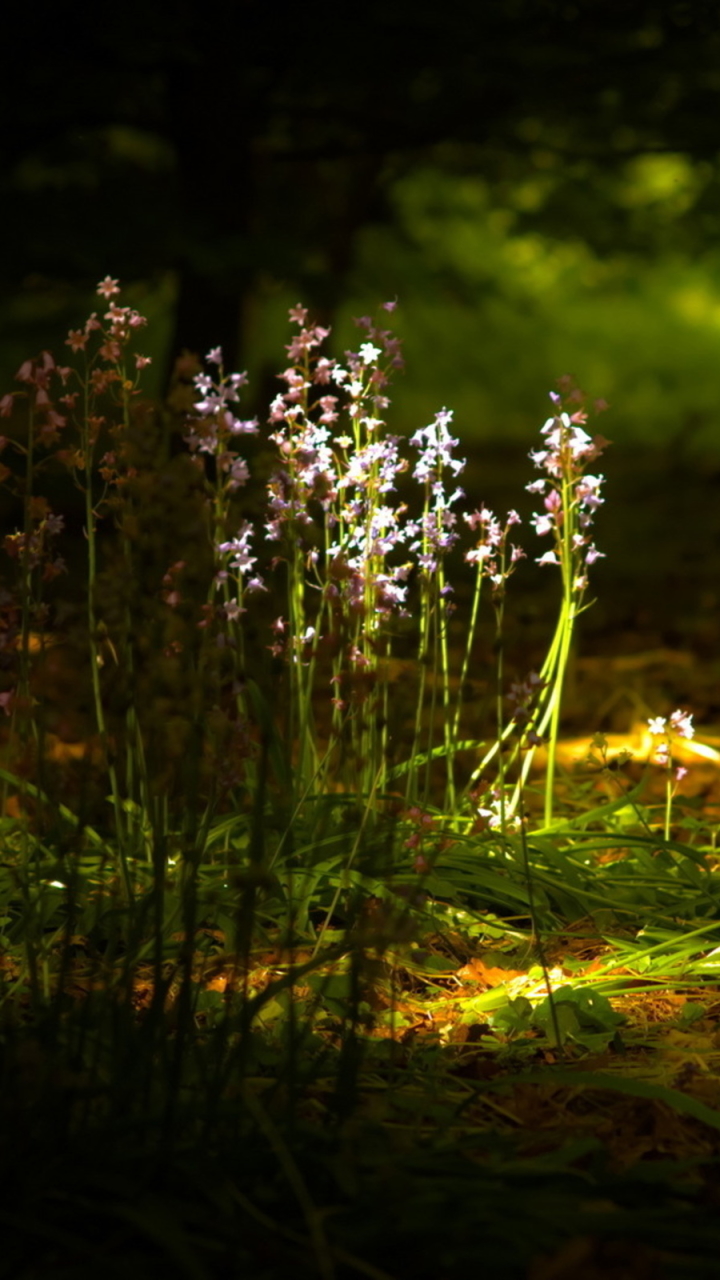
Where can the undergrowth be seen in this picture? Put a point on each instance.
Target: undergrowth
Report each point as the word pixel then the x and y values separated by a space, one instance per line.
pixel 313 962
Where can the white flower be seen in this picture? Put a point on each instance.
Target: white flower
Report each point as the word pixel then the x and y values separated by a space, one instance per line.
pixel 369 353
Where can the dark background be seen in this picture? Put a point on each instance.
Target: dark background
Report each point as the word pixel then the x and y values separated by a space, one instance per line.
pixel 537 182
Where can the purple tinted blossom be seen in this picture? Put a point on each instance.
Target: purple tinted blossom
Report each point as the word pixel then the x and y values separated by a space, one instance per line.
pixel 305 341
pixel 492 529
pixel 296 384
pixel 436 536
pixel 569 449
pixel 490 554
pixel 323 371
pixel 209 431
pixel 277 409
pixel 678 726
pixel 587 492
pixel 238 549
pixel 378 461
pixel 240 426
pixel 328 406
pixel 681 724
pixel 436 445
pixel 238 471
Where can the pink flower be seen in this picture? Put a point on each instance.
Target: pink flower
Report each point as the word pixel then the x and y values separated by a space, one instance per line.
pixel 108 287
pixel 681 724
pixel 76 340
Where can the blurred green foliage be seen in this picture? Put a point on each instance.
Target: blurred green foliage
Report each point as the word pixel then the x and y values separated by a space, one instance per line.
pixel 492 311
pixel 492 315
pixel 495 304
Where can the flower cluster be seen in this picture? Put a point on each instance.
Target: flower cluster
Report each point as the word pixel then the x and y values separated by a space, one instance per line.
pixel 434 534
pixel 329 497
pixel 35 550
pixel 239 558
pixel 570 498
pixel 121 323
pixel 37 376
pixel 490 552
pixel 667 731
pixel 212 429
pixel 215 423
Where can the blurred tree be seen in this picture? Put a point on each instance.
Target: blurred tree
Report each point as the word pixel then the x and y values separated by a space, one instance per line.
pixel 250 142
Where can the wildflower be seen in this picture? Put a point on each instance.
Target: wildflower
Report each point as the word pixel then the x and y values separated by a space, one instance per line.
pixel 369 353
pixel 77 340
pixel 108 287
pixel 678 726
pixel 681 724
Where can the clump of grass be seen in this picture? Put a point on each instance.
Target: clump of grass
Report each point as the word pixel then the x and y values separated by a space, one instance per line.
pixel 217 908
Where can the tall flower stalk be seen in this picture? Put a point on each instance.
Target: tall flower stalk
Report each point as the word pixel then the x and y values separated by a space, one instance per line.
pixel 666 732
pixel 212 432
pixel 570 500
pixel 103 343
pixel 433 536
pixel 495 560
